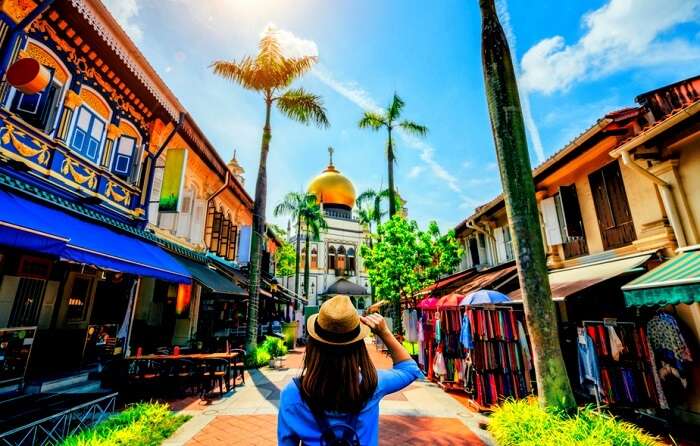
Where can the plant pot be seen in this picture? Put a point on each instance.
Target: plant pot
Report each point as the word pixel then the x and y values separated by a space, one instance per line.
pixel 278 362
pixel 272 363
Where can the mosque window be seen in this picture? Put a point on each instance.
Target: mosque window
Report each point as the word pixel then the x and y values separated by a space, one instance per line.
pixel 302 261
pixel 314 258
pixel 340 261
pixel 350 267
pixel 331 258
pixel 88 132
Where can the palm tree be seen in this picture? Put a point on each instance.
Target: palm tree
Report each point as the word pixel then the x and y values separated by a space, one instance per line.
pixel 293 204
pixel 314 223
pixel 553 386
pixel 369 203
pixel 389 119
pixel 270 73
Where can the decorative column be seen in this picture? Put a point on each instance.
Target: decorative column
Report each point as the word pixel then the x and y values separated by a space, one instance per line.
pixel 72 101
pixel 113 133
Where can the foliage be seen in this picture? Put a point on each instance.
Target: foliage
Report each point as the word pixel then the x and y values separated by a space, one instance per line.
pixel 142 424
pixel 404 259
pixel 285 259
pixel 389 119
pixel 258 358
pixel 274 346
pixel 525 423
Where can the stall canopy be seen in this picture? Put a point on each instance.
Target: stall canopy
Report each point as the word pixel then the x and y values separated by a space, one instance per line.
pixel 214 281
pixel 569 281
pixel 490 278
pixel 26 224
pixel 676 281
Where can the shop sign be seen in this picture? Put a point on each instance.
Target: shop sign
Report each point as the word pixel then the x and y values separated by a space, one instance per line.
pixel 173 180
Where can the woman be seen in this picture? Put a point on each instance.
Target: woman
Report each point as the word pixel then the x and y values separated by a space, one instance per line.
pixel 339 388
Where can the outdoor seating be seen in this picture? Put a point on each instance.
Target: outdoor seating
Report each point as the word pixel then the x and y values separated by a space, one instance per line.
pixel 179 376
pixel 217 372
pixel 144 374
pixel 238 366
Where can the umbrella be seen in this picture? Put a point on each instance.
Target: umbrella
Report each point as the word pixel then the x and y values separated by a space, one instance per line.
pixel 482 297
pixel 429 304
pixel 450 301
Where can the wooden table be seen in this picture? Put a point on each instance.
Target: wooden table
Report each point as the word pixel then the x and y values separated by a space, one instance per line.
pixel 202 356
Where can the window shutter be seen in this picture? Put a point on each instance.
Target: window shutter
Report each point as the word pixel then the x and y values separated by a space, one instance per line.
pixel 500 245
pixel 155 195
pixel 572 211
pixel 244 245
pixel 184 217
pixel 198 214
pixel 551 221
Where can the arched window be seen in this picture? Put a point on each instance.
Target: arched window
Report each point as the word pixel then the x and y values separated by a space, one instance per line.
pixel 340 260
pixel 360 303
pixel 350 267
pixel 314 258
pixel 331 258
pixel 88 133
pixel 302 260
pixel 127 154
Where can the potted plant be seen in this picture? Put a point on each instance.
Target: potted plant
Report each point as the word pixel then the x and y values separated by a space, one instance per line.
pixel 276 348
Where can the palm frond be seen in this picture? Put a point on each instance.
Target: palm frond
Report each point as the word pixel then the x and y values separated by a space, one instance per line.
pixel 395 108
pixel 372 120
pixel 412 128
pixel 290 204
pixel 366 196
pixel 244 72
pixel 302 106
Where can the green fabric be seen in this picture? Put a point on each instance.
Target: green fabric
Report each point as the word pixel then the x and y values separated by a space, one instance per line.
pixel 662 296
pixel 660 286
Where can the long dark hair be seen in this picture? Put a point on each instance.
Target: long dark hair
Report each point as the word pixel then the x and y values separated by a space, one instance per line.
pixel 337 378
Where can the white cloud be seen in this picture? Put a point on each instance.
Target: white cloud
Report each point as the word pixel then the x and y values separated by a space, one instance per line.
pixel 124 11
pixel 290 44
pixel 415 171
pixel 620 35
pixel 530 125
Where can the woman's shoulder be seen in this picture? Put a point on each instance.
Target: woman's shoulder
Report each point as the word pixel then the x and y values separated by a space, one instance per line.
pixel 290 393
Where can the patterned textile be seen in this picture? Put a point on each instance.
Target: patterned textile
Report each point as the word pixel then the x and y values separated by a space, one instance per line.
pixel 665 336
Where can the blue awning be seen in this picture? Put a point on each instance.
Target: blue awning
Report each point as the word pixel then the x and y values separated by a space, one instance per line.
pixel 26 224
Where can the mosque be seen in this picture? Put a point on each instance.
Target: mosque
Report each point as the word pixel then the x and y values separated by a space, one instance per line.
pixel 335 264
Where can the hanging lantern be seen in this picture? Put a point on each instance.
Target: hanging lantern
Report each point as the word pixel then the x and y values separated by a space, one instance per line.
pixel 28 76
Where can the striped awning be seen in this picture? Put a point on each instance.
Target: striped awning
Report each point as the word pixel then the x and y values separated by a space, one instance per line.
pixel 676 281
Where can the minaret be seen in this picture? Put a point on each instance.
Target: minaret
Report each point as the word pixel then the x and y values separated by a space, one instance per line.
pixel 236 170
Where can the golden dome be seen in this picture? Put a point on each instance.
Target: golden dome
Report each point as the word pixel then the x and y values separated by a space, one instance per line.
pixel 331 187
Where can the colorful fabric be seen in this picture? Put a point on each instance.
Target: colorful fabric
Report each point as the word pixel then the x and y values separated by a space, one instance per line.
pixel 588 369
pixel 665 334
pixel 466 333
pixel 616 345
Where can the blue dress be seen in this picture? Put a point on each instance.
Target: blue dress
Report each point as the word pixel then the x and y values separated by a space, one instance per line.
pixel 295 422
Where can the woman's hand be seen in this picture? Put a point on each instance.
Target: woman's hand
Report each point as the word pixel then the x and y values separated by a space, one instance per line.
pixel 376 323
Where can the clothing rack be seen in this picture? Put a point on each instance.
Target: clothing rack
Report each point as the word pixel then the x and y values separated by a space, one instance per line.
pixel 633 383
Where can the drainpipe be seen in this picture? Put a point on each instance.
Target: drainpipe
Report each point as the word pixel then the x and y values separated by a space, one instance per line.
pixel 667 198
pixel 154 157
pixel 16 32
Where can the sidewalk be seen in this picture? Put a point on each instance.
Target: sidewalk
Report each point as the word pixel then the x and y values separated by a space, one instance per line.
pixel 421 414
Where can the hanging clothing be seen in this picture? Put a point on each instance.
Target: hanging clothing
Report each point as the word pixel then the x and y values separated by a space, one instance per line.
pixel 616 345
pixel 522 339
pixel 588 370
pixel 667 340
pixel 437 329
pixel 404 321
pixel 412 332
pixel 439 366
pixel 465 336
pixel 421 344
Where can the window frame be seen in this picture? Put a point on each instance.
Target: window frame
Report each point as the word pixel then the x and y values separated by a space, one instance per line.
pixel 87 134
pixel 130 159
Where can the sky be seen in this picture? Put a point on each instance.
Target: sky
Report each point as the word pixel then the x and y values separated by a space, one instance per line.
pixel 576 62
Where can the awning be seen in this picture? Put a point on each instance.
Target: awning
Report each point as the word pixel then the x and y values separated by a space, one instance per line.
pixel 448 281
pixel 214 281
pixel 481 280
pixel 569 281
pixel 676 281
pixel 26 224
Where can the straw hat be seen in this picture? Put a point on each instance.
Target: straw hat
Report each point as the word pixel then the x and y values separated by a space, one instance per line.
pixel 337 323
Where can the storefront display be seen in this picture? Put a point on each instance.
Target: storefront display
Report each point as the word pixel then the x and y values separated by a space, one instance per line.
pixel 15 350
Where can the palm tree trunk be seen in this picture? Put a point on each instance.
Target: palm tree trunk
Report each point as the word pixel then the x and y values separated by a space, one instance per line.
pixel 306 265
pixel 553 384
pixel 257 234
pixel 297 260
pixel 390 165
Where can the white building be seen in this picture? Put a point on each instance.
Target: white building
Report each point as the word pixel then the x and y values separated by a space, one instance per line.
pixel 335 263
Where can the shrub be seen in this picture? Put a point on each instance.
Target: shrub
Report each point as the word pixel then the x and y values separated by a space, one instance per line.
pixel 259 358
pixel 143 424
pixel 274 346
pixel 525 423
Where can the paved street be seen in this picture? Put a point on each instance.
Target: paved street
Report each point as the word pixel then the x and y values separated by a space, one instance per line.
pixel 420 414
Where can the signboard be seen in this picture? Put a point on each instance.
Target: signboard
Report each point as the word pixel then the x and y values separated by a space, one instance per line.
pixel 15 348
pixel 173 180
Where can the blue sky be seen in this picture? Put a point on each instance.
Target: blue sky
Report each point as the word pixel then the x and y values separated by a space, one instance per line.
pixel 577 61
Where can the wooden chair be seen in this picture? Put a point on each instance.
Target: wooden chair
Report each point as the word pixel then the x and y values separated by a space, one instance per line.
pixel 238 365
pixel 219 372
pixel 144 376
pixel 178 376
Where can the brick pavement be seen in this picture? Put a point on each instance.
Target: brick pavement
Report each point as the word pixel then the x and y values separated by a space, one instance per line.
pixel 420 414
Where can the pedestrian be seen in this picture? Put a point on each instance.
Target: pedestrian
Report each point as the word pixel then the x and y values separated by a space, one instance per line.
pixel 336 398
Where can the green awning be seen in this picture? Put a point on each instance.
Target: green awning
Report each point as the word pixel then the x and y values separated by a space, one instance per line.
pixel 209 278
pixel 676 281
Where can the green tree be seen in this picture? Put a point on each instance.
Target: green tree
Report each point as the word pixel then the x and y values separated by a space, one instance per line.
pixel 293 204
pixel 285 260
pixel 389 119
pixel 270 73
pixel 404 260
pixel 553 386
pixel 314 223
